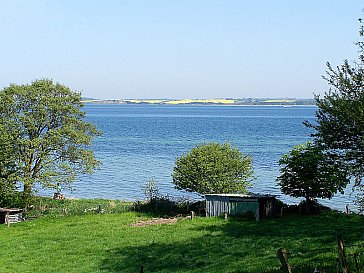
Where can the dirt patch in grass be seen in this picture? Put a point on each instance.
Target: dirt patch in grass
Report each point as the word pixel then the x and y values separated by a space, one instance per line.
pixel 155 221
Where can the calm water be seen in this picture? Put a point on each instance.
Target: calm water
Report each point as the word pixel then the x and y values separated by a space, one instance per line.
pixel 141 142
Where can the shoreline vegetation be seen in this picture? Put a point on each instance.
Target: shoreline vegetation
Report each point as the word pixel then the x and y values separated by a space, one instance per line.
pixel 227 101
pixel 160 206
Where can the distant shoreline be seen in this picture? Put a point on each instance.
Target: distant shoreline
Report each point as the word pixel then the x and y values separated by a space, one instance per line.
pixel 208 102
pixel 202 105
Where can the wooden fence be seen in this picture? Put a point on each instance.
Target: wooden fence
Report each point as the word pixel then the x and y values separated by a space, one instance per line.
pixel 342 259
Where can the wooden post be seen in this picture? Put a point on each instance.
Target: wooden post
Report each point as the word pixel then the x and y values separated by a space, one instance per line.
pixel 141 269
pixel 192 214
pixel 7 219
pixel 281 212
pixel 283 258
pixel 299 209
pixel 342 257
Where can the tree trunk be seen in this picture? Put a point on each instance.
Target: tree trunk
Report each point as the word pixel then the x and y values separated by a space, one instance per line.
pixel 27 195
pixel 307 203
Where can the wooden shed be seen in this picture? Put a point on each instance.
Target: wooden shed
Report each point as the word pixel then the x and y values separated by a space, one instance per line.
pixel 10 216
pixel 235 204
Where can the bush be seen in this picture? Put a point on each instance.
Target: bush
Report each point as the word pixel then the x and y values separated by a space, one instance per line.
pixel 213 168
pixel 307 171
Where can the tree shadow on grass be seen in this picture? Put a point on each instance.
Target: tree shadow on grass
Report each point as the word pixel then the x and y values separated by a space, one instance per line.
pixel 203 254
pixel 324 228
pixel 310 240
pixel 243 245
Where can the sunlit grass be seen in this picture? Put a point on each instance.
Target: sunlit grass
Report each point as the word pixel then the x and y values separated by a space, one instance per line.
pixel 107 243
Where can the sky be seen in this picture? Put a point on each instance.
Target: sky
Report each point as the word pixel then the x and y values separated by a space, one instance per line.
pixel 119 49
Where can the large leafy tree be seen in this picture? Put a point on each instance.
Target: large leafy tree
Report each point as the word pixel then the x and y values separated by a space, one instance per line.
pixel 44 125
pixel 213 168
pixel 310 173
pixel 339 126
pixel 7 169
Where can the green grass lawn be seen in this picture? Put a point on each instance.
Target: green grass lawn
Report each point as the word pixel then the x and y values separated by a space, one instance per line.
pixel 107 243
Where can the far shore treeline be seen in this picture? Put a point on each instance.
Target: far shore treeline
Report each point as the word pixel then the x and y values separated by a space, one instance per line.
pixel 221 101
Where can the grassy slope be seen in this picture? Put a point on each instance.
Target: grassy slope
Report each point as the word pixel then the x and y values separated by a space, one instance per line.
pixel 106 243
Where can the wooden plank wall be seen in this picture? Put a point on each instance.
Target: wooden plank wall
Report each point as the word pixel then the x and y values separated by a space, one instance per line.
pixel 217 205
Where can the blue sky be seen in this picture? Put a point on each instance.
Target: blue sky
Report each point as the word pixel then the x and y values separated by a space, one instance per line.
pixel 177 49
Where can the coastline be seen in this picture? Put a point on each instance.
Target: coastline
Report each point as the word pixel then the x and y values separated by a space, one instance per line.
pixel 203 102
pixel 198 104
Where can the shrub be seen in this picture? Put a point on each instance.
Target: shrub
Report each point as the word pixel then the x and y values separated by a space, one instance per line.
pixel 213 168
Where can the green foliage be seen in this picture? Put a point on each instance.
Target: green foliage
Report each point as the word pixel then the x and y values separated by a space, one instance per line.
pixel 8 193
pixel 44 125
pixel 9 196
pixel 48 207
pixel 213 168
pixel 340 116
pixel 308 172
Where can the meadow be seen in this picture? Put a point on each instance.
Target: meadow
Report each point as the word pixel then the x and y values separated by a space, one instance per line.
pixel 87 240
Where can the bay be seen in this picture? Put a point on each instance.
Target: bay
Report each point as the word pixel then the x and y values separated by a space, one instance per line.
pixel 142 142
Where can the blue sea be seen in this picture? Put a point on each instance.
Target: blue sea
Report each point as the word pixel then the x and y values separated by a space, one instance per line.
pixel 142 142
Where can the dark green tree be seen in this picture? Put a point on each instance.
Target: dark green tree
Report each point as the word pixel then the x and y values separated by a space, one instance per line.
pixel 7 170
pixel 45 124
pixel 310 173
pixel 339 127
pixel 213 168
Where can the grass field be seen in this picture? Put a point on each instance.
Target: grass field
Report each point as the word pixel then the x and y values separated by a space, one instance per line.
pixel 95 242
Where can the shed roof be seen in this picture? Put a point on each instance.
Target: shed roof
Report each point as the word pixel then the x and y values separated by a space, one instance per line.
pixel 3 210
pixel 239 195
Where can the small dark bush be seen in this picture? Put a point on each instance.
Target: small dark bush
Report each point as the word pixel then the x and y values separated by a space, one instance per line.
pixel 199 207
pixel 314 207
pixel 167 206
pixel 164 205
